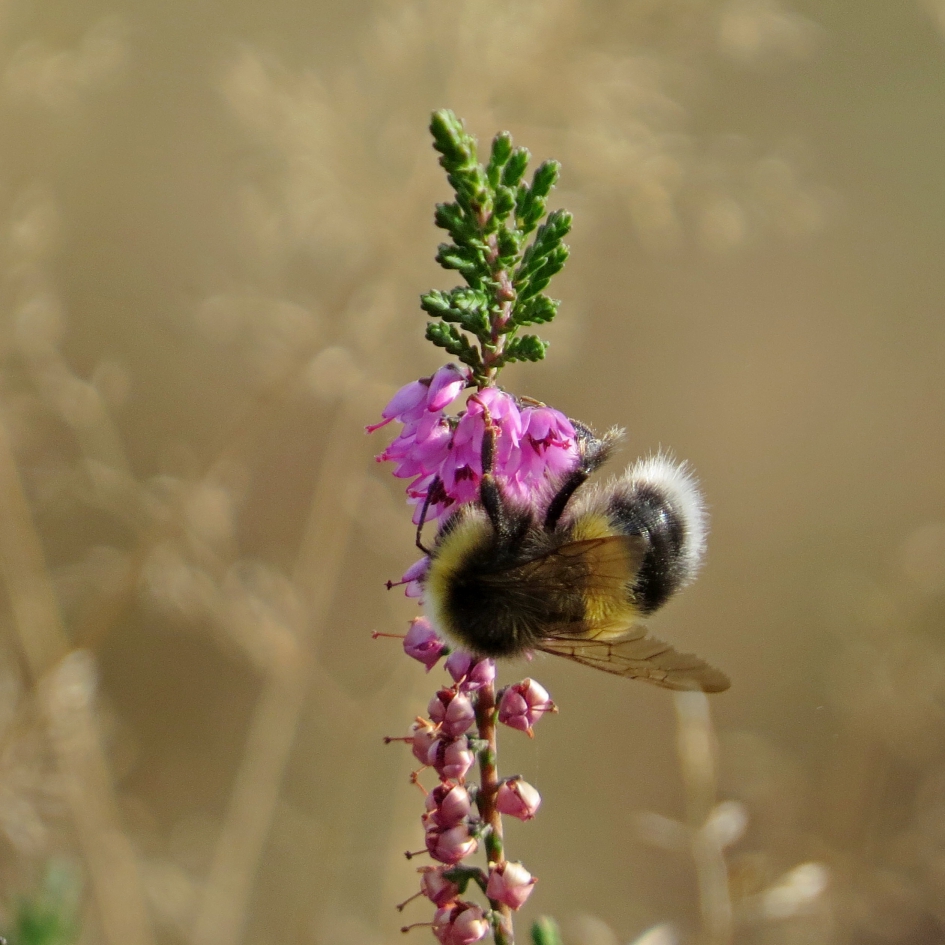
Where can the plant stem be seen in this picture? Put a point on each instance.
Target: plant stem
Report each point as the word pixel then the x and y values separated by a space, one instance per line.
pixel 485 800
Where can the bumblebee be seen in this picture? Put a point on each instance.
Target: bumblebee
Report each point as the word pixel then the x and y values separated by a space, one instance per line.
pixel 573 572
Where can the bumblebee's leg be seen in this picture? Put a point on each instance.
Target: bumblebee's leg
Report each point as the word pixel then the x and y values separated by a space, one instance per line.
pixel 594 452
pixel 572 482
pixel 490 495
pixel 427 502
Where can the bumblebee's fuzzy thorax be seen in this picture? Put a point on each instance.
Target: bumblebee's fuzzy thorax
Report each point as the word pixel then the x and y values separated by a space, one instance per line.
pixel 465 595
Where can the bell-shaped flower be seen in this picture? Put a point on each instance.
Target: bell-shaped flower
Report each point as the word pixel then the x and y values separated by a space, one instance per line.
pixel 445 386
pixel 509 883
pixel 461 923
pixel 448 804
pixel 523 704
pixel 452 712
pixel 517 798
pixel 422 643
pixel 422 740
pixel 450 844
pixel 468 672
pixel 451 758
pixel 436 887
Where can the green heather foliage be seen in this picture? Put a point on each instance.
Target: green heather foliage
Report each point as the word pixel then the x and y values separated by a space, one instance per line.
pixel 489 223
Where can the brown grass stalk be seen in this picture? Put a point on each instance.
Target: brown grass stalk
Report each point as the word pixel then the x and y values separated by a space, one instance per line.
pixel 65 679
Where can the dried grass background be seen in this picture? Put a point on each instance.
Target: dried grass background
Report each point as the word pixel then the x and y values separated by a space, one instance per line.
pixel 215 219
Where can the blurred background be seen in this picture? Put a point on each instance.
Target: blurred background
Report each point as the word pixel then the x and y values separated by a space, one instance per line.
pixel 215 221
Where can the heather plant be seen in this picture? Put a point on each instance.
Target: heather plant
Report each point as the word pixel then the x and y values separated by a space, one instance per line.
pixel 506 247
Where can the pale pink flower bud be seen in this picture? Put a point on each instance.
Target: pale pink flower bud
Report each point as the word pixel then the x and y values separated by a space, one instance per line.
pixel 436 887
pixel 448 804
pixel 471 674
pixel 423 739
pixel 450 845
pixel 517 798
pixel 523 704
pixel 510 883
pixel 422 643
pixel 452 711
pixel 461 923
pixel 451 757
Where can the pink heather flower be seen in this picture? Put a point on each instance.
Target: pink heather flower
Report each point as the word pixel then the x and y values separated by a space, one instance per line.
pixel 469 673
pixel 445 386
pixel 436 887
pixel 422 643
pixel 517 798
pixel 413 577
pixel 450 758
pixel 448 804
pixel 442 455
pixel 451 844
pixel 429 394
pixel 510 883
pixel 452 711
pixel 523 704
pixel 461 923
pixel 423 738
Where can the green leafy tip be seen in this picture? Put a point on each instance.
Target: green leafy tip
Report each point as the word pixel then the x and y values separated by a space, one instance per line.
pixel 489 224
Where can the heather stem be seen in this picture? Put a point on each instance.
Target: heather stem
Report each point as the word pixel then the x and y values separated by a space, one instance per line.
pixel 485 800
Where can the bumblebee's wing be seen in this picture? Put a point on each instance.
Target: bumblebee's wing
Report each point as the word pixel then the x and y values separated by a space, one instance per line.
pixel 637 656
pixel 581 585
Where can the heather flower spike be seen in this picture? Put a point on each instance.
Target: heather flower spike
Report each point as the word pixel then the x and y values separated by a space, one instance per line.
pixel 506 248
